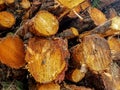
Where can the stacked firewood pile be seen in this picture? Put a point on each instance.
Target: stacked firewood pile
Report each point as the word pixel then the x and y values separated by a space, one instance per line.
pixel 58 45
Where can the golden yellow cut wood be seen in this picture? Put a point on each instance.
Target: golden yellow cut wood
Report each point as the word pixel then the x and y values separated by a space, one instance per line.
pixel 12 52
pixel 70 3
pixel 75 75
pixel 7 20
pixel 97 16
pixel 46 59
pixel 44 24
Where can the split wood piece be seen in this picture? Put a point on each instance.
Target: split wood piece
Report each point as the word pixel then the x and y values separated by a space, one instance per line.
pixel 9 2
pixel 47 59
pixel 75 75
pixel 97 16
pixel 82 6
pixel 7 20
pixel 12 52
pixel 69 33
pixel 48 86
pixel 96 53
pixel 114 44
pixel 25 4
pixel 2 5
pixel 110 27
pixel 44 24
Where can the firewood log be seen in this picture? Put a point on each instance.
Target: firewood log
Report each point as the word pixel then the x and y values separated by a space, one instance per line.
pixel 7 20
pixel 97 16
pixel 47 59
pixel 109 80
pixel 75 75
pixel 81 7
pixel 48 86
pixel 96 53
pixel 77 9
pixel 25 4
pixel 70 3
pixel 77 55
pixel 69 33
pixel 12 52
pixel 44 24
pixel 9 2
pixel 110 27
pixel 114 44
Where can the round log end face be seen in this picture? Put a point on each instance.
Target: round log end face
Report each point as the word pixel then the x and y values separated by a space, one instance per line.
pixel 77 75
pixel 96 53
pixel 45 59
pixel 7 20
pixel 12 52
pixel 44 24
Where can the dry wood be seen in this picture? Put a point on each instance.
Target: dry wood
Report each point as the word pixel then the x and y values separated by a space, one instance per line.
pixel 111 79
pixel 7 20
pixel 114 44
pixel 75 75
pixel 112 13
pixel 44 24
pixel 71 6
pixel 46 59
pixel 69 33
pixel 97 16
pixel 110 27
pixel 84 5
pixel 25 4
pixel 48 86
pixel 77 9
pixel 81 7
pixel 9 2
pixel 12 52
pixel 96 53
pixel 77 55
pixel 70 3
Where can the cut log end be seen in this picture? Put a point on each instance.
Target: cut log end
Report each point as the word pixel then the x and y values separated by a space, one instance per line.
pixel 12 52
pixel 98 19
pixel 44 24
pixel 70 3
pixel 46 59
pixel 7 20
pixel 94 47
pixel 25 4
pixel 9 2
pixel 75 75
